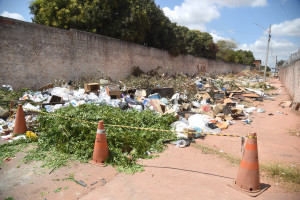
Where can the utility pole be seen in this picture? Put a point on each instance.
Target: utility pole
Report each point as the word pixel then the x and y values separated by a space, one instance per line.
pixel 276 68
pixel 266 64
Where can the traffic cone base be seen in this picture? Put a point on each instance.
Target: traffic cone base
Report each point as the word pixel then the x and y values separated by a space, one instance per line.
pixel 97 164
pixel 20 122
pixel 250 193
pixel 100 149
pixel 247 179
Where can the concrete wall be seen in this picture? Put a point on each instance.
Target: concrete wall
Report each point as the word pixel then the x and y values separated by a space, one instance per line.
pixel 290 78
pixel 33 55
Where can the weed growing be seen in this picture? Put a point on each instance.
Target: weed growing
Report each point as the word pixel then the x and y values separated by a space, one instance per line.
pixel 8 150
pixel 234 160
pixel 283 173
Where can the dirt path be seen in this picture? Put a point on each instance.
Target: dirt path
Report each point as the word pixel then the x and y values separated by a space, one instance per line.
pixel 275 143
pixel 181 174
pixel 178 173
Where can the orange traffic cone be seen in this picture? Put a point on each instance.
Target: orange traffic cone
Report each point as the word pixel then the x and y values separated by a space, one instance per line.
pixel 247 179
pixel 20 123
pixel 100 148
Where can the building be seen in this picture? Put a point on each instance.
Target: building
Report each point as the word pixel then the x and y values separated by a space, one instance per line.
pixel 257 63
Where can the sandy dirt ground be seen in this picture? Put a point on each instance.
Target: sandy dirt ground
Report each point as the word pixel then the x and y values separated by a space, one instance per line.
pixel 178 173
pixel 275 143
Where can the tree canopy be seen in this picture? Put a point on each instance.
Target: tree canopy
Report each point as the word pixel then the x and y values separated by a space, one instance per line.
pixel 280 63
pixel 139 21
pixel 228 54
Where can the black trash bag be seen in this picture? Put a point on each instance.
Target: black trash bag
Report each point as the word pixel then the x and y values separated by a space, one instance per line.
pixel 211 125
pixel 123 105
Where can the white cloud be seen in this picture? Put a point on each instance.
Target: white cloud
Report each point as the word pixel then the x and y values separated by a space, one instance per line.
pixel 193 14
pixel 196 13
pixel 12 15
pixel 237 3
pixel 281 48
pixel 216 36
pixel 287 28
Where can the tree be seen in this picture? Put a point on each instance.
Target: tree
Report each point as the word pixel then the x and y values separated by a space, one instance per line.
pixel 139 21
pixel 200 44
pixel 228 54
pixel 226 50
pixel 244 57
pixel 280 63
pixel 263 68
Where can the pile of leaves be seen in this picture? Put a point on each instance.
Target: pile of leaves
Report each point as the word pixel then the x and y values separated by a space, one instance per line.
pixel 77 139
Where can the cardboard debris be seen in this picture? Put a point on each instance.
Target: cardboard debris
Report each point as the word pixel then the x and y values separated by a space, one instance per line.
pixel 226 110
pixel 55 98
pixel 187 133
pixel 251 95
pixel 3 112
pixel 92 87
pixel 113 91
pixel 186 106
pixel 228 117
pixel 45 87
pixel 204 96
pixel 286 103
pixel 140 93
pixel 157 106
pixel 227 100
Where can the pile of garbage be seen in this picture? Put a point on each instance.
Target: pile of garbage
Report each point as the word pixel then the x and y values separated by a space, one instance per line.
pixel 204 104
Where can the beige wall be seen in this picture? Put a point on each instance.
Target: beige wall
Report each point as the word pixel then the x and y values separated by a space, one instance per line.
pixel 290 77
pixel 33 55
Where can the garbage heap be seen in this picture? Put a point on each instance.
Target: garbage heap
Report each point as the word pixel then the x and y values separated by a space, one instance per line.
pixel 202 104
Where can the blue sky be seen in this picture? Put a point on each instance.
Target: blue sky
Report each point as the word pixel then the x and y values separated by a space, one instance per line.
pixel 223 19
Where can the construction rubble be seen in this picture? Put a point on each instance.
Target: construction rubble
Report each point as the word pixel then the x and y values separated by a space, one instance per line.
pixel 202 104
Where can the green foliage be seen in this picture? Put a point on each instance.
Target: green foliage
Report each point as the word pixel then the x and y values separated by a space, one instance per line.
pixel 52 158
pixel 68 138
pixel 244 57
pixel 57 190
pixel 280 63
pixel 44 193
pixel 139 21
pixel 287 173
pixel 263 68
pixel 6 96
pixel 228 54
pixel 8 150
pixel 9 198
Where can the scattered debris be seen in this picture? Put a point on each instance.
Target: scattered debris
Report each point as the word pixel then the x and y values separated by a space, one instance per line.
pixel 182 143
pixel 286 103
pixel 202 104
pixel 80 182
